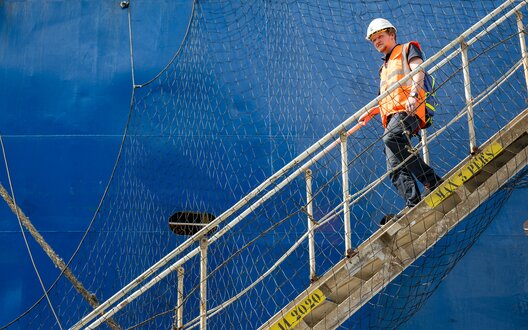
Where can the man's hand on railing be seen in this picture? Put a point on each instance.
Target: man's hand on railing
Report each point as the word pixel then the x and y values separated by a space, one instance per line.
pixel 367 116
pixel 411 106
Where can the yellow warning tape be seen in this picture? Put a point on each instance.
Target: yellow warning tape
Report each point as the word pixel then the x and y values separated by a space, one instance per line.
pixel 449 186
pixel 296 314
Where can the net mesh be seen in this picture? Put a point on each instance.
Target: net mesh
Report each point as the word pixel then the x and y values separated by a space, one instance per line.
pixel 255 84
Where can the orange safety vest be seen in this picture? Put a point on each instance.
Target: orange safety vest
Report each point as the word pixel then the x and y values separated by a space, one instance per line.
pixel 392 71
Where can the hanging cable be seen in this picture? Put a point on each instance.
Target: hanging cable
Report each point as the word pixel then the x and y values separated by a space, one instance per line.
pixel 24 234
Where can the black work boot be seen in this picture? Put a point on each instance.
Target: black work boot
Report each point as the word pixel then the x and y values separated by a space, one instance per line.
pixel 387 218
pixel 394 217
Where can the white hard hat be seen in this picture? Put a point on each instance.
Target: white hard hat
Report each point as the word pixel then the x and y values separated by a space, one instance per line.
pixel 377 25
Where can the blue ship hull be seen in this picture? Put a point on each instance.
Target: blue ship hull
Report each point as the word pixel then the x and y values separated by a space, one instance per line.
pixel 66 80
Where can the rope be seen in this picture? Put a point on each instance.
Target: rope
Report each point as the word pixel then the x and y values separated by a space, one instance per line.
pixel 23 220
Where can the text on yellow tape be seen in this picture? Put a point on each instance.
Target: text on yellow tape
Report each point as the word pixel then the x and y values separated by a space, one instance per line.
pixel 447 188
pixel 296 314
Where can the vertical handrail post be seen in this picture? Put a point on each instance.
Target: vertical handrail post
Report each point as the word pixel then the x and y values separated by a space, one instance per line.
pixel 469 99
pixel 179 307
pixel 520 28
pixel 425 147
pixel 311 224
pixel 203 283
pixel 346 203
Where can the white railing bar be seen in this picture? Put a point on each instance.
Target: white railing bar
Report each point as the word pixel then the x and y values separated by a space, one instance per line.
pixel 425 148
pixel 311 224
pixel 476 37
pixel 469 100
pixel 187 224
pixel 522 40
pixel 179 308
pixel 346 207
pixel 163 261
pixel 203 283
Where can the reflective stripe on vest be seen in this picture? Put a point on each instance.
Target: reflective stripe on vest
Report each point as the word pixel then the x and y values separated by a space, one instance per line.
pixel 391 72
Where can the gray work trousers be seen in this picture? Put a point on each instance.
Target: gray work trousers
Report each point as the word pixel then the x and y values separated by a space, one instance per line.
pixel 396 150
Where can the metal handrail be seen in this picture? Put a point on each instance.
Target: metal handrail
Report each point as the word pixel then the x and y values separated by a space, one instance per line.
pixel 274 178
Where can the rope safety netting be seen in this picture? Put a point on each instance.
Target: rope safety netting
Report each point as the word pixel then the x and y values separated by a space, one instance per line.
pixel 254 85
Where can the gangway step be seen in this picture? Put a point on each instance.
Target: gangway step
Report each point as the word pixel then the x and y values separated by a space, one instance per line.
pixel 345 288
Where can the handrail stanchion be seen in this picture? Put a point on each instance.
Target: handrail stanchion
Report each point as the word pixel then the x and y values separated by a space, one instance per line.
pixel 520 27
pixel 179 309
pixel 469 99
pixel 425 147
pixel 203 283
pixel 311 225
pixel 346 204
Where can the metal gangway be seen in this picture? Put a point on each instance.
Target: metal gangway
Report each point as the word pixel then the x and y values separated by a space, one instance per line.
pixel 366 269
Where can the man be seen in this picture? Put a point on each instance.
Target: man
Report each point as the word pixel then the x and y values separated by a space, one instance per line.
pixel 402 112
